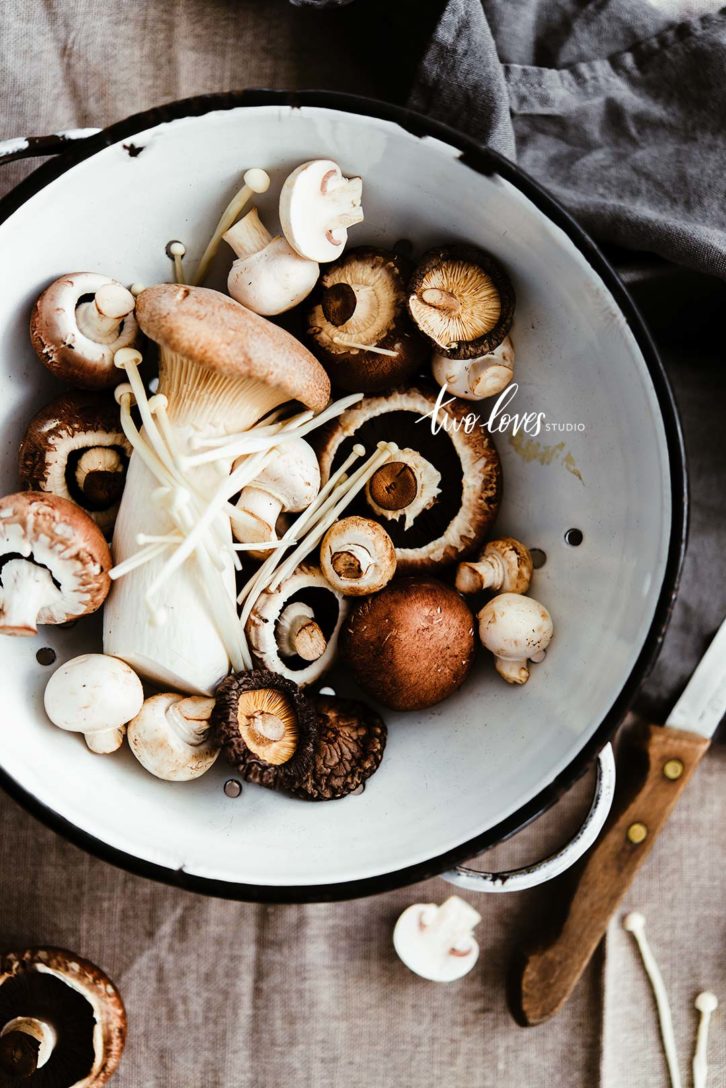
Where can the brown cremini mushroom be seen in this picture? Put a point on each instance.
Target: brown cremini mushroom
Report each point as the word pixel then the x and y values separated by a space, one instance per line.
pixel 62 1021
pixel 359 326
pixel 411 645
pixel 504 564
pixel 462 300
pixel 357 556
pixel 75 448
pixel 79 323
pixel 54 562
pixel 348 750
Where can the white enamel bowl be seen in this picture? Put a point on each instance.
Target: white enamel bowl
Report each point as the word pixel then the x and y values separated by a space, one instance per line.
pixel 462 775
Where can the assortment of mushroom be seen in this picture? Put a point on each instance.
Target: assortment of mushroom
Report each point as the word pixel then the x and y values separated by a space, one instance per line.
pixel 263 531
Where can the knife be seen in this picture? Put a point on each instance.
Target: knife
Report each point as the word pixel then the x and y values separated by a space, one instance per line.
pixel 666 757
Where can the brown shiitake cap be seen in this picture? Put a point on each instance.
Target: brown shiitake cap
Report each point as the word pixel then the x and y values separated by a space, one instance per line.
pixel 81 1004
pixel 75 448
pixel 217 333
pixel 411 645
pixel 361 299
pixel 462 300
pixel 266 728
pixel 349 749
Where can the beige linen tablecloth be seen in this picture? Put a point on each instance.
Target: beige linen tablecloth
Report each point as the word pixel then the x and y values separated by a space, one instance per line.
pixel 220 993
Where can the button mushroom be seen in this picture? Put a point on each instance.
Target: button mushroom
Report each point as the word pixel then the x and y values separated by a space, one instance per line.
pixel 293 630
pixel 317 205
pixel 222 368
pixel 438 943
pixel 79 323
pixel 62 1020
pixel 357 556
pixel 289 482
pixel 431 528
pixel 348 750
pixel 267 729
pixel 95 695
pixel 411 645
pixel 54 562
pixel 462 299
pixel 478 378
pixel 170 736
pixel 268 277
pixel 359 326
pixel 503 565
pixel 515 629
pixel 75 448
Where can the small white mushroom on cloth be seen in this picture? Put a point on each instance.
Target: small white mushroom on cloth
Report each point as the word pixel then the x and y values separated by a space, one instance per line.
pixel 169 736
pixel 289 482
pixel 504 565
pixel 478 378
pixel 96 695
pixel 269 276
pixel 438 943
pixel 357 556
pixel 317 205
pixel 516 630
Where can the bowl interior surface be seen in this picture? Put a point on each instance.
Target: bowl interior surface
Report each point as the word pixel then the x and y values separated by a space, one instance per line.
pixel 461 767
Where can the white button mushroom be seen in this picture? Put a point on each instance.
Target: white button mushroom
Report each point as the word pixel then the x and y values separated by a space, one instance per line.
pixel 437 943
pixel 317 205
pixel 515 629
pixel 476 379
pixel 357 556
pixel 268 276
pixel 504 564
pixel 95 695
pixel 169 736
pixel 289 482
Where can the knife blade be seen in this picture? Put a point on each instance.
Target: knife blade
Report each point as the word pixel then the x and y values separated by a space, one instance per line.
pixel 668 756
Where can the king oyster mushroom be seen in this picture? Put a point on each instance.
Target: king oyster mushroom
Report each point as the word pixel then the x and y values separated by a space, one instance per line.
pixel 293 630
pixel 462 300
pixel 348 750
pixel 359 327
pixel 222 368
pixel 438 497
pixel 317 205
pixel 268 277
pixel 477 378
pixel 357 556
pixel 62 1021
pixel 79 323
pixel 266 728
pixel 75 448
pixel 54 562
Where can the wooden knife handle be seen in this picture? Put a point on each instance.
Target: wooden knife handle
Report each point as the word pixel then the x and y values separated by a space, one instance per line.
pixel 551 972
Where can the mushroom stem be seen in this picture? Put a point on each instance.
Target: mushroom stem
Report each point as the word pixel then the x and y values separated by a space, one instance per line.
pixel 249 235
pixel 101 319
pixel 255 181
pixel 267 725
pixel 189 718
pixel 346 343
pixel 635 923
pixel 441 300
pixel 176 251
pixel 706 1003
pixel 26 1044
pixel 299 634
pixel 26 589
pixel 99 474
pixel 352 563
pixel 394 486
pixel 105 742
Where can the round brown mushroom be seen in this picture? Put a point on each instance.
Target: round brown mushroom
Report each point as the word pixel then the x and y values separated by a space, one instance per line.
pixel 75 448
pixel 54 562
pixel 411 645
pixel 349 749
pixel 438 498
pixel 62 1020
pixel 462 300
pixel 359 326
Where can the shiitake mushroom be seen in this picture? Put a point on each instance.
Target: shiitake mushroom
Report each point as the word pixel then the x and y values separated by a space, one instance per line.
pixel 349 748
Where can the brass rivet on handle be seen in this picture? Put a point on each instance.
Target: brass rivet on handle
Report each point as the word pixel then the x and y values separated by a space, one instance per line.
pixel 637 833
pixel 673 769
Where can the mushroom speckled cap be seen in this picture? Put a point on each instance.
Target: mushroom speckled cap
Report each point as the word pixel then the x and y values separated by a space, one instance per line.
pixel 215 332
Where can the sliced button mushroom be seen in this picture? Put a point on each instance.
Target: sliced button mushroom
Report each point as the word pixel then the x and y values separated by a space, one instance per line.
pixel 462 299
pixel 438 943
pixel 428 529
pixel 75 448
pixel 289 482
pixel 267 729
pixel 268 277
pixel 79 323
pixel 359 326
pixel 293 630
pixel 478 378
pixel 62 1020
pixel 54 562
pixel 516 630
pixel 357 556
pixel 95 695
pixel 170 736
pixel 317 205
pixel 504 564
pixel 348 750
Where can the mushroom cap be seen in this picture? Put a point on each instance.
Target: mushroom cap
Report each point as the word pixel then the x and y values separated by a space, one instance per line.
pixel 362 298
pixel 93 693
pixel 411 645
pixel 515 627
pixel 293 476
pixel 55 533
pixel 435 942
pixel 219 334
pixel 478 378
pixel 368 538
pixel 80 1001
pixel 62 347
pixel 458 521
pixel 164 751
pixel 349 749
pixel 317 204
pixel 55 442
